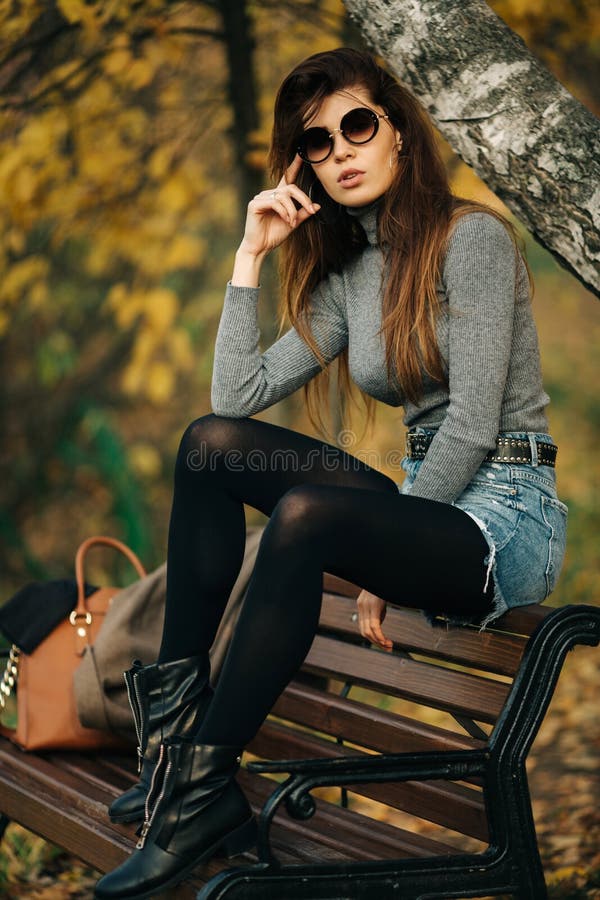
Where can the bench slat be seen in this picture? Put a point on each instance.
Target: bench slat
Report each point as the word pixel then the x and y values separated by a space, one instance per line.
pixel 98 770
pixel 456 692
pixel 488 651
pixel 368 726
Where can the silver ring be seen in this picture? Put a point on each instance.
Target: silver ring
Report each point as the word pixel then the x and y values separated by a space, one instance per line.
pixel 274 195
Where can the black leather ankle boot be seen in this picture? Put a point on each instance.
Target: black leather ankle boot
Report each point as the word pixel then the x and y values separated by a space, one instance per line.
pixel 195 808
pixel 166 699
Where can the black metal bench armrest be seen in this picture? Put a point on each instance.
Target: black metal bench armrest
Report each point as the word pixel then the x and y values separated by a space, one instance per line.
pixel 304 775
pixel 380 767
pixel 537 675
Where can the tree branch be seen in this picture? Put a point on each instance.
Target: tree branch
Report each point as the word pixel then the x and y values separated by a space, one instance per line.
pixel 504 113
pixel 60 85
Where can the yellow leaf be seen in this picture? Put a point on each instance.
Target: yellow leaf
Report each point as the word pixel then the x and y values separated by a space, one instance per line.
pixel 565 873
pixel 38 295
pixel 79 13
pixel 180 349
pixel 160 382
pixel 185 252
pixel 145 345
pixel 24 185
pixel 73 10
pixel 117 61
pixel 160 161
pixel 174 194
pixel 160 306
pixel 131 380
pixel 18 278
pixel 170 96
pixel 15 239
pixel 42 134
pixel 145 460
pixel 126 306
pixel 136 373
pixel 140 73
pixel 116 296
pixel 10 160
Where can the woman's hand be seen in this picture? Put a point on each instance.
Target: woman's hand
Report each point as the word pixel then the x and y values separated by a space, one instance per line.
pixel 271 218
pixel 371 613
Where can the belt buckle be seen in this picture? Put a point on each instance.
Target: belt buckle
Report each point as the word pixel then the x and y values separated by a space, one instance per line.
pixel 417 445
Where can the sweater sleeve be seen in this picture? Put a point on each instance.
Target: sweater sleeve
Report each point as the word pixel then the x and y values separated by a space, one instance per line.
pixel 479 274
pixel 246 381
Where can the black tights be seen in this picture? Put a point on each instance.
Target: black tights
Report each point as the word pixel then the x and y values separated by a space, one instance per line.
pixel 329 512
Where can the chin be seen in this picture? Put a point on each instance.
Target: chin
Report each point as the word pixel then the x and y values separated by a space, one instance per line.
pixel 361 198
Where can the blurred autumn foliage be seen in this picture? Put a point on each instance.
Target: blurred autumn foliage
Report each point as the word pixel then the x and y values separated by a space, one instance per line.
pixel 131 136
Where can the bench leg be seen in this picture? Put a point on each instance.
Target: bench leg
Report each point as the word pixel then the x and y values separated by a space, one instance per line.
pixel 512 827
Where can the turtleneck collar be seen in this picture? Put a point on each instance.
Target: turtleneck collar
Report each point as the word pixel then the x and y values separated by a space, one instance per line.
pixel 367 216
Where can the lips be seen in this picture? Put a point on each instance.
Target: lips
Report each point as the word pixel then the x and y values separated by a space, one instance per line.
pixel 349 177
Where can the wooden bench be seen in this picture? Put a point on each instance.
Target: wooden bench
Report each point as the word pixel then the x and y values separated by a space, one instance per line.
pixel 439 729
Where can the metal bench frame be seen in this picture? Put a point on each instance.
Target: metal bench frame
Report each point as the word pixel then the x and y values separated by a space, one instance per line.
pixel 510 865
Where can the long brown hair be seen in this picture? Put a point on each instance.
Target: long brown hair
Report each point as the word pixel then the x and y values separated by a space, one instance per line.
pixel 416 216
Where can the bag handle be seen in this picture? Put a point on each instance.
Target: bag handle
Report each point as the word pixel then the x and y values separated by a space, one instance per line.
pixel 81 609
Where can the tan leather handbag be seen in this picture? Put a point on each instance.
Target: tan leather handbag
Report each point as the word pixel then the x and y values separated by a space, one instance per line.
pixel 46 709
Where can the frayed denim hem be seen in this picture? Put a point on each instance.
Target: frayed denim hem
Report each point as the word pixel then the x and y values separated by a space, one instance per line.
pixel 499 604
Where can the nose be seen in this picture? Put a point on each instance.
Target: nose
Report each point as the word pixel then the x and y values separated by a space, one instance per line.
pixel 341 147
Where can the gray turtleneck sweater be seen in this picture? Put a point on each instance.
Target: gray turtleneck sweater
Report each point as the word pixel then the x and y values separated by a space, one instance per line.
pixel 486 335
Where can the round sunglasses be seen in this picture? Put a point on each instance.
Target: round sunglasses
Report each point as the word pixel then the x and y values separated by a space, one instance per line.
pixel 358 126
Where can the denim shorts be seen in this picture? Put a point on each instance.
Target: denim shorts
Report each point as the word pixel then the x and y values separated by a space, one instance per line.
pixel 523 522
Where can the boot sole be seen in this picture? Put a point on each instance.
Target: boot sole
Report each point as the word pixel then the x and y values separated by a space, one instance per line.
pixel 234 843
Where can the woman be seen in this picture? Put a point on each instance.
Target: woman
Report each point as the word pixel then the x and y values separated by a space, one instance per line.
pixel 424 298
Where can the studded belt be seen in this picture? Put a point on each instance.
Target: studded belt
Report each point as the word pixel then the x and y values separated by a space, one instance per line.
pixel 508 450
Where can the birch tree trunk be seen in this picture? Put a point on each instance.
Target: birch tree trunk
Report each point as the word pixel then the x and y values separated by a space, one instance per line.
pixel 503 112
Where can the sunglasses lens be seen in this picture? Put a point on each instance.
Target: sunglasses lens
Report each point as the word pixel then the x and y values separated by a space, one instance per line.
pixel 359 126
pixel 315 145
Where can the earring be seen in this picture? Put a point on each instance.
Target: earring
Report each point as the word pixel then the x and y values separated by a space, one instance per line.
pixel 397 148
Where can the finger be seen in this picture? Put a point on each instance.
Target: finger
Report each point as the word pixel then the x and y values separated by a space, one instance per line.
pixel 291 173
pixel 302 215
pixel 284 209
pixel 369 631
pixel 380 638
pixel 291 212
pixel 363 624
pixel 303 199
pixel 275 201
pixel 293 191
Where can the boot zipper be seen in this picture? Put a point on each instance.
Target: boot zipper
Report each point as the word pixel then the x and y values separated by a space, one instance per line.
pixel 134 702
pixel 149 816
pixel 140 730
pixel 146 824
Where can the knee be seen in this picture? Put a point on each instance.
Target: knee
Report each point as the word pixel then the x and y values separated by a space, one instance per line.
pixel 206 439
pixel 294 518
